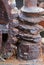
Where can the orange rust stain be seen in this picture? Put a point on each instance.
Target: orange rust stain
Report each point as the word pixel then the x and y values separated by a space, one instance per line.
pixel 42 23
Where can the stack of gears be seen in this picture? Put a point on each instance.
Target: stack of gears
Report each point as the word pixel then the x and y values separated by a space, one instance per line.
pixel 25 30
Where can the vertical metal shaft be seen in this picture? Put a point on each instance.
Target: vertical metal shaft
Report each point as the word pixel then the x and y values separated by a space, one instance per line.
pixel 30 3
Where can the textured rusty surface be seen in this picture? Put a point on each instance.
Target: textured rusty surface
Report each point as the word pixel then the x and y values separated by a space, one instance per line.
pixel 7 7
pixel 20 29
pixel 30 19
pixel 31 7
pixel 41 4
pixel 3 13
pixel 27 14
pixel 7 12
pixel 29 51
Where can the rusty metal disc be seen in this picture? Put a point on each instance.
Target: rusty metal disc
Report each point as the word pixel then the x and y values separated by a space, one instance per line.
pixel 38 10
pixel 30 19
pixel 28 51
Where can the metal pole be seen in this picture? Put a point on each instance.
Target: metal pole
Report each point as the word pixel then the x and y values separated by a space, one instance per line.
pixel 30 3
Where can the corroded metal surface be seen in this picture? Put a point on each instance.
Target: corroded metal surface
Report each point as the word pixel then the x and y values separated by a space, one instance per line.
pixel 23 26
pixel 7 14
pixel 30 6
pixel 29 51
pixel 30 19
pixel 26 30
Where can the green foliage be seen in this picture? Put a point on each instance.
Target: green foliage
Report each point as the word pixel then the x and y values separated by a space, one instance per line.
pixel 42 33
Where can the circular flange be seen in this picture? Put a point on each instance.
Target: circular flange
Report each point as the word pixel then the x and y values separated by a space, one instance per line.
pixel 31 19
pixel 32 9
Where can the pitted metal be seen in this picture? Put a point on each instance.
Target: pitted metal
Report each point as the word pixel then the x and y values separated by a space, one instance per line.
pixel 10 7
pixel 31 6
pixel 27 35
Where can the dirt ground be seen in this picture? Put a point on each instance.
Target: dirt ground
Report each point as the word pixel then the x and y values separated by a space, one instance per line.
pixel 13 61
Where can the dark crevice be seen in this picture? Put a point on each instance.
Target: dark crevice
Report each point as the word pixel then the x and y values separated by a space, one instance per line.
pixel 4 37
